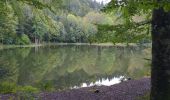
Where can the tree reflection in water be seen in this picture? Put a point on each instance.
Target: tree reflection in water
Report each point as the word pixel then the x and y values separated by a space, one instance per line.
pixel 66 66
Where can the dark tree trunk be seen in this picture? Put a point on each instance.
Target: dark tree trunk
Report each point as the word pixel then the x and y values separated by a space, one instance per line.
pixel 160 75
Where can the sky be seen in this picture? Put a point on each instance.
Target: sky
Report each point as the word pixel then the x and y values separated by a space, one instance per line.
pixel 104 1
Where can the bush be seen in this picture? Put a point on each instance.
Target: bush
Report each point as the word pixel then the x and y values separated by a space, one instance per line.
pixel 7 87
pixel 46 86
pixel 8 40
pixel 26 92
pixel 22 92
pixel 28 89
pixel 23 39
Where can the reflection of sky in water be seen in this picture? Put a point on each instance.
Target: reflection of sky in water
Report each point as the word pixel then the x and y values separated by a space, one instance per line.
pixel 104 1
pixel 105 82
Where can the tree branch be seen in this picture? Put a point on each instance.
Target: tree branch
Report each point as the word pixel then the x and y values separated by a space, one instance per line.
pixel 119 26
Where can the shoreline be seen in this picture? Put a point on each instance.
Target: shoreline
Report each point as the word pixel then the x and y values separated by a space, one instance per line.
pixel 128 90
pixel 76 44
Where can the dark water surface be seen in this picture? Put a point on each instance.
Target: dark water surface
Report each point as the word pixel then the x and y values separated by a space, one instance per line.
pixel 65 67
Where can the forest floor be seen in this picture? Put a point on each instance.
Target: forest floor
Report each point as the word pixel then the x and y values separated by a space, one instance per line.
pixel 128 90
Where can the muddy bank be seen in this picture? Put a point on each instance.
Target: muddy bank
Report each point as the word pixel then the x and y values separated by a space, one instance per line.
pixel 129 90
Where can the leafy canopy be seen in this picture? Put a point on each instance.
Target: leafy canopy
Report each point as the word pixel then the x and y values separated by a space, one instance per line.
pixel 131 28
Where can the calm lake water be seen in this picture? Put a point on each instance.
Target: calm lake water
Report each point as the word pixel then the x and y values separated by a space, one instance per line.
pixel 65 67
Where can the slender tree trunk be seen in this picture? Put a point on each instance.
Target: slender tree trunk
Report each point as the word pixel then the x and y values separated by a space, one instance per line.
pixel 160 75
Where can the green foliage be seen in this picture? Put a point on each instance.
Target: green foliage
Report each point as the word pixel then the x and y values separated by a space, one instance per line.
pixel 8 24
pixel 48 21
pixel 121 34
pixel 47 86
pixel 26 92
pixel 23 40
pixel 98 18
pixel 73 21
pixel 23 92
pixel 81 7
pixel 27 89
pixel 127 9
pixel 131 7
pixel 7 87
pixel 132 27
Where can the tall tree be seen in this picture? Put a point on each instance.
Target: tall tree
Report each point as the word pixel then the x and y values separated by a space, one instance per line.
pixel 47 20
pixel 160 21
pixel 7 24
pixel 160 55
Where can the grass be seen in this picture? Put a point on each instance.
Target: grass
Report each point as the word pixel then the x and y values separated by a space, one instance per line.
pixel 20 92
pixel 7 87
pixel 25 92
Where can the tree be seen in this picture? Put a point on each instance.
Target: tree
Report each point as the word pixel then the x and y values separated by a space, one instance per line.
pixel 160 55
pixel 98 18
pixel 48 20
pixel 160 74
pixel 81 7
pixel 8 24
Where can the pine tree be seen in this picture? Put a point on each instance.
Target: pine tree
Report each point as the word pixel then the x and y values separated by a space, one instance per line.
pixel 7 24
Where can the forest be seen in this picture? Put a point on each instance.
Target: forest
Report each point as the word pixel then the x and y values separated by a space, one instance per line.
pixel 70 22
pixel 78 49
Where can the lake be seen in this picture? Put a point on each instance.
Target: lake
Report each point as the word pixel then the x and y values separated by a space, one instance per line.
pixel 73 66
